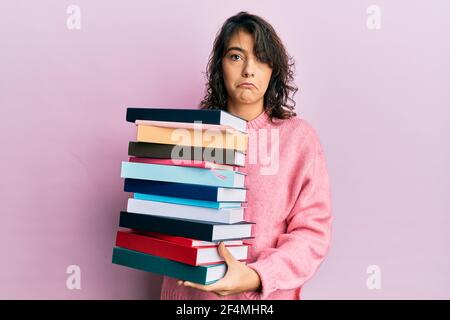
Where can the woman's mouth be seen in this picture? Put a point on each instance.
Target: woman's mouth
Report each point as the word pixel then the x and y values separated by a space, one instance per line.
pixel 247 85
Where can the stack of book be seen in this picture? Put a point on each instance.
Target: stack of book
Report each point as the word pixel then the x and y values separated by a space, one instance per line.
pixel 188 193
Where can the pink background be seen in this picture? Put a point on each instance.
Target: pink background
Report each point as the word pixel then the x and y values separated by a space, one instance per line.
pixel 379 100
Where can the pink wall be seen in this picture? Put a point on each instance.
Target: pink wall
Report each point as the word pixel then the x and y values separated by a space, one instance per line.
pixel 378 98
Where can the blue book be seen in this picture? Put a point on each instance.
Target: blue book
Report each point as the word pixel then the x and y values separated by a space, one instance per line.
pixel 188 202
pixel 184 190
pixel 142 261
pixel 180 174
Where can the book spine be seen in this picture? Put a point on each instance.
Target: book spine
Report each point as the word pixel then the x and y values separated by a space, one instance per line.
pixel 184 163
pixel 174 269
pixel 157 247
pixel 169 189
pixel 166 151
pixel 174 115
pixel 188 175
pixel 174 227
pixel 184 201
pixel 185 212
pixel 191 137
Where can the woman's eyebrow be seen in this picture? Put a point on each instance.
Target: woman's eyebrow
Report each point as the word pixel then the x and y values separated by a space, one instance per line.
pixel 236 48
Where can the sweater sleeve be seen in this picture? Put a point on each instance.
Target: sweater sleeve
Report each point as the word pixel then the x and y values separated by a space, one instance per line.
pixel 301 249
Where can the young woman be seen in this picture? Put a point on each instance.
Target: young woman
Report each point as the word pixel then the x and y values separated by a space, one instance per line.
pixel 288 196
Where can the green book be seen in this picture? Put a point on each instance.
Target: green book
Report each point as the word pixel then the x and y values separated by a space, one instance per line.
pixel 199 274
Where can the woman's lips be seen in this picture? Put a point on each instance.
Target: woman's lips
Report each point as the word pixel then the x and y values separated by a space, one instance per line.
pixel 246 85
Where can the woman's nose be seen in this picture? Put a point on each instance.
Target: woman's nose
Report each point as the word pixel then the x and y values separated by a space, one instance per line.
pixel 249 69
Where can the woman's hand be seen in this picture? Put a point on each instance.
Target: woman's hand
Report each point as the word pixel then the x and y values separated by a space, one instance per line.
pixel 238 278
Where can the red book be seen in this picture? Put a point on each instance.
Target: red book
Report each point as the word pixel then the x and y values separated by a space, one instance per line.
pixel 195 256
pixel 188 242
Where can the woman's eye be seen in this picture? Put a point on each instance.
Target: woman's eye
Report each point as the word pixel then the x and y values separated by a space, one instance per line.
pixel 234 55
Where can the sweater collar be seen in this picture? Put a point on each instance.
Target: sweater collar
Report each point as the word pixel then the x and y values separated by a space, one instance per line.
pixel 259 122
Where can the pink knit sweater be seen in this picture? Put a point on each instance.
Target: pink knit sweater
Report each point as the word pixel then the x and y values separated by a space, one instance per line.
pixel 291 207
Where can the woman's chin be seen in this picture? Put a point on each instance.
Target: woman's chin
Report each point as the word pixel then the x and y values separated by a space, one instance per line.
pixel 246 99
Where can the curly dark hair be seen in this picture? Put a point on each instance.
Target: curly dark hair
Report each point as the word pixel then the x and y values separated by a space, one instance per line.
pixel 268 48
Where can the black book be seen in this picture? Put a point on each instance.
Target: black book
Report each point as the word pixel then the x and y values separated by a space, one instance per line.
pixel 167 151
pixel 206 116
pixel 200 230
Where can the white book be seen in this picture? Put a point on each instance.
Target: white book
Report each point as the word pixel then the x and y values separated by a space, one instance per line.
pixel 211 255
pixel 200 243
pixel 172 210
pixel 231 194
pixel 241 230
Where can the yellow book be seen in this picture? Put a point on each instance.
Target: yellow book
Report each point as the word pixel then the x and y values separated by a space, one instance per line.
pixel 230 139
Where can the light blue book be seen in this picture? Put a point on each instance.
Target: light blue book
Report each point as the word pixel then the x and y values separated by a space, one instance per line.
pixel 180 174
pixel 188 202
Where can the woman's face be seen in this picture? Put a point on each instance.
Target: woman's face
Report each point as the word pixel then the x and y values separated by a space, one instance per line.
pixel 239 66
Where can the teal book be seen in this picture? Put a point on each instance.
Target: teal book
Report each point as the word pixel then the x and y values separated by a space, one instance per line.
pixel 199 274
pixel 180 174
pixel 188 202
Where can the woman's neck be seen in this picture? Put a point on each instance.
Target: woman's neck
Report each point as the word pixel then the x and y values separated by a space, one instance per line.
pixel 247 112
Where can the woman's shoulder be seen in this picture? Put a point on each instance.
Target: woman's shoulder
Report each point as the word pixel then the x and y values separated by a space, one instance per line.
pixel 297 126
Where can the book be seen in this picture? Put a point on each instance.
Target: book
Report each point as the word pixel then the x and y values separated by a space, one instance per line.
pixel 217 117
pixel 187 125
pixel 173 251
pixel 176 152
pixel 173 210
pixel 184 190
pixel 184 163
pixel 192 137
pixel 200 230
pixel 189 202
pixel 188 242
pixel 208 177
pixel 146 262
